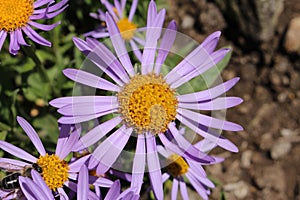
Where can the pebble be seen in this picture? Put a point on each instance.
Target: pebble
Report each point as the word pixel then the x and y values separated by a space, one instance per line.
pixel 280 149
pixel 292 38
pixel 285 132
pixel 187 22
pixel 246 158
pixel 240 189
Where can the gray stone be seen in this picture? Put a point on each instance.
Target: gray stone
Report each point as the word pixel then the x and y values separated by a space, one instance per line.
pixel 280 149
pixel 187 22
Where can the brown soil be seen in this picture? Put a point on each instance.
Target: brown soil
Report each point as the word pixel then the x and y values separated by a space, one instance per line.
pixel 267 165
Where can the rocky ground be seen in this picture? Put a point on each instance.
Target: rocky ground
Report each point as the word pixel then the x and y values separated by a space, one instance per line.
pixel 265 36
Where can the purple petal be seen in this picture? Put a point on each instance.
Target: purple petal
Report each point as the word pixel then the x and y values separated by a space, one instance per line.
pixel 41 183
pixel 198 187
pixel 13 150
pixel 119 45
pixel 96 133
pixel 183 190
pixel 186 146
pixel 118 7
pixel 63 101
pixel 138 168
pixel 165 46
pixel 152 35
pixel 194 69
pixel 196 57
pixel 86 108
pixel 63 195
pixel 115 144
pixel 43 26
pixel 209 121
pixel 26 188
pixel 6 163
pixel 76 165
pixel 114 191
pixel 202 180
pixel 101 182
pixel 3 35
pixel 64 133
pixel 132 9
pixel 215 104
pixel 41 3
pixel 154 167
pixel 31 133
pixel 20 37
pixel 209 93
pixel 14 47
pixel 175 186
pixel 136 50
pixel 72 140
pixel 83 183
pixel 111 11
pixel 35 36
pixel 215 138
pixel 152 13
pixel 79 119
pixel 89 79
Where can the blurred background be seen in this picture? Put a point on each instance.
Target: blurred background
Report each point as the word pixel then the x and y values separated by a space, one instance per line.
pixel 265 38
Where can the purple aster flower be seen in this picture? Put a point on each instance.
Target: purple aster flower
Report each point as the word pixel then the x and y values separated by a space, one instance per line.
pixel 145 102
pixel 180 169
pixel 55 170
pixel 126 26
pixel 19 16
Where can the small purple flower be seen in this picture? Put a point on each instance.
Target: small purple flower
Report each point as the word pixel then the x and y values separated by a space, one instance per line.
pixel 145 102
pixel 179 168
pixel 56 172
pixel 128 29
pixel 18 16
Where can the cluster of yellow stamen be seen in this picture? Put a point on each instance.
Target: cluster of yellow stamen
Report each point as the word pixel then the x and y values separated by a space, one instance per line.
pixel 148 104
pixel 55 171
pixel 176 165
pixel 127 28
pixel 15 14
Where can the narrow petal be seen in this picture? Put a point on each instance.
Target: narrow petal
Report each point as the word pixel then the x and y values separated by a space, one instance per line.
pixel 213 137
pixel 202 52
pixel 183 190
pixel 63 195
pixel 83 183
pixel 35 36
pixel 215 104
pixel 132 9
pixel 96 133
pixel 136 50
pixel 138 168
pixel 208 94
pixel 26 188
pixel 43 27
pixel 89 79
pixel 3 35
pixel 116 146
pixel 13 150
pixel 79 119
pixel 194 69
pixel 114 191
pixel 86 108
pixel 16 165
pixel 119 45
pixel 101 182
pixel 20 37
pixel 209 121
pixel 72 140
pixel 39 3
pixel 14 47
pixel 110 9
pixel 64 133
pixel 154 167
pixel 165 46
pixel 198 187
pixel 175 186
pixel 41 183
pixel 31 133
pixel 63 101
pixel 76 165
pixel 186 146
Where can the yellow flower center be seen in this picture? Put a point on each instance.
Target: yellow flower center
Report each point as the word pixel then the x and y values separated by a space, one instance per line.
pixel 15 14
pixel 177 166
pixel 55 171
pixel 127 28
pixel 147 104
